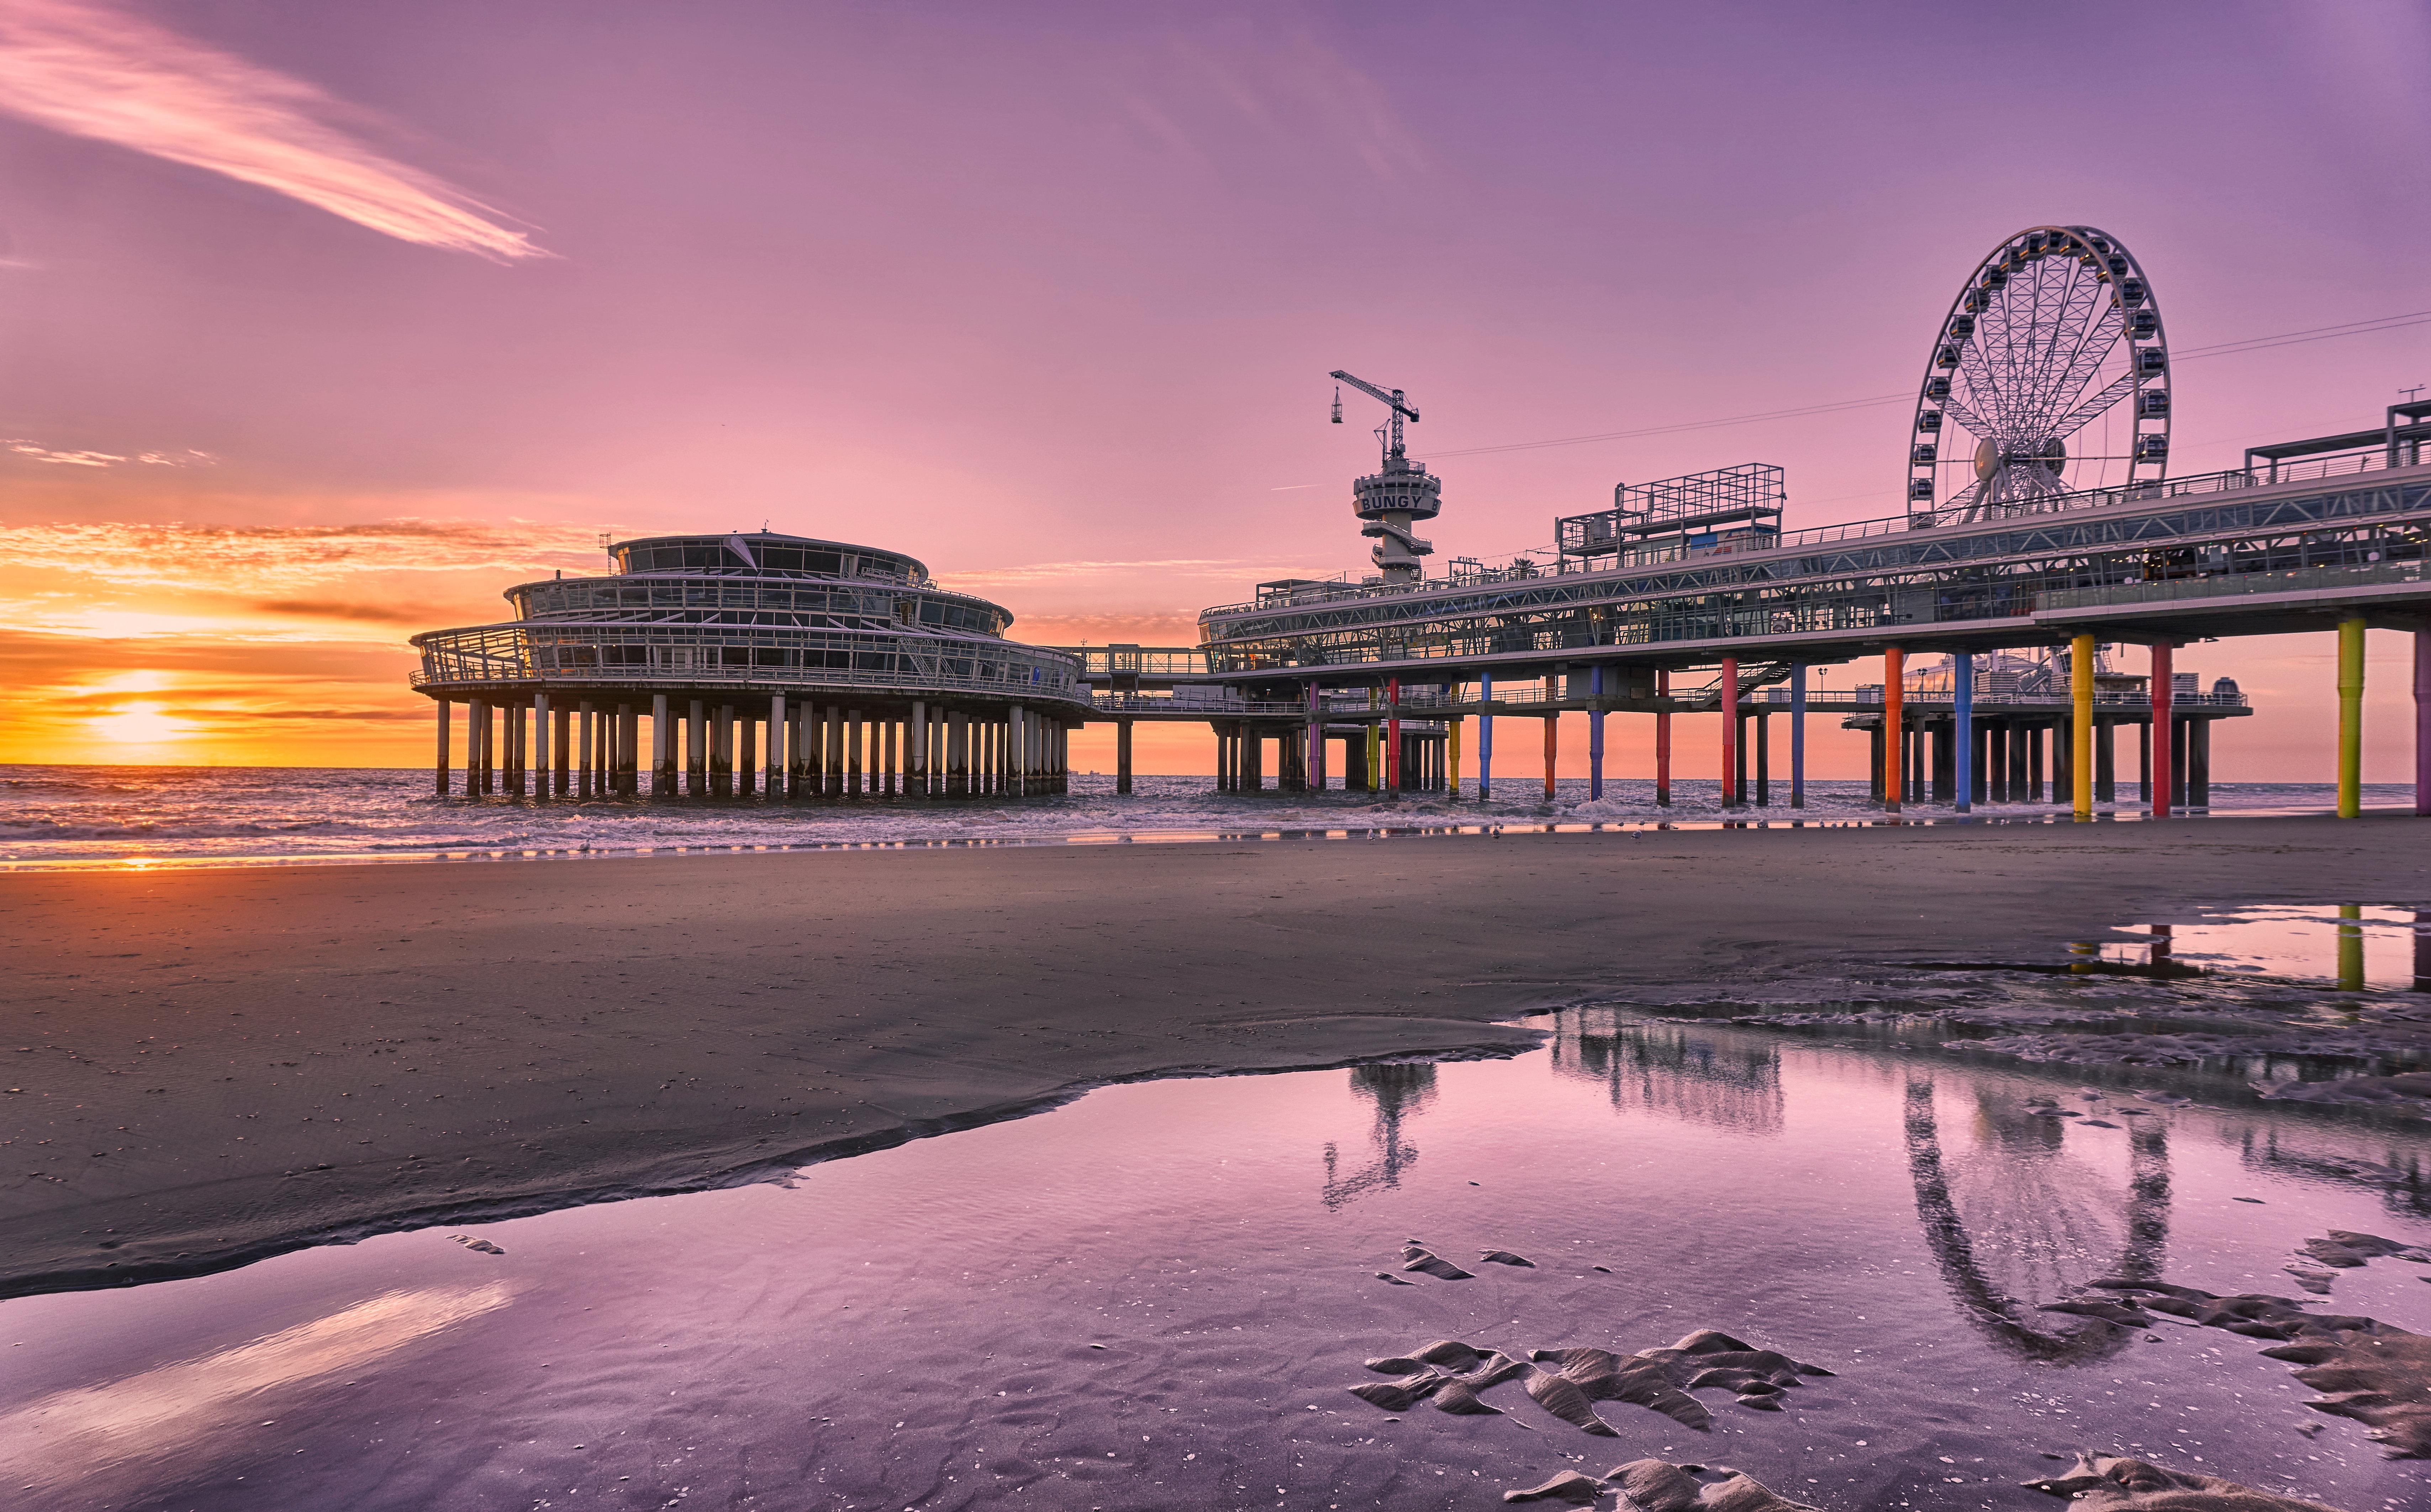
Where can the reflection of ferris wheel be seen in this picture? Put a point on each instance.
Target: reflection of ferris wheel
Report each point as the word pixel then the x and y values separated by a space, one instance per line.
pixel 2050 374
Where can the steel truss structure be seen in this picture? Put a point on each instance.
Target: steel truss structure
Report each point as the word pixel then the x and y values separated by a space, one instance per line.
pixel 1967 588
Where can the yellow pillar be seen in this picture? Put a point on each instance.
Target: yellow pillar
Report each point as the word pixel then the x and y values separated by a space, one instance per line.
pixel 2349 948
pixel 1451 756
pixel 2350 718
pixel 2080 687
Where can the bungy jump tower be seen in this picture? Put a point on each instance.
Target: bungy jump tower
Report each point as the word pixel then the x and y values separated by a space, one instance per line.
pixel 837 671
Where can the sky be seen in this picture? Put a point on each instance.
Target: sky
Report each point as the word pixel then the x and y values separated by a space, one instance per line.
pixel 325 324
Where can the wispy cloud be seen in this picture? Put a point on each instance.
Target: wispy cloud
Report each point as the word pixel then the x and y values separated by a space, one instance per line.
pixel 41 453
pixel 94 71
pixel 266 558
pixel 1174 566
pixel 332 608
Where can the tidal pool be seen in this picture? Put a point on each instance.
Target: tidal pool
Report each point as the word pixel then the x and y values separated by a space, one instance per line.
pixel 1156 1296
pixel 2351 948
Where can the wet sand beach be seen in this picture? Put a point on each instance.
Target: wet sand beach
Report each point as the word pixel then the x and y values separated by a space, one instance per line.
pixel 212 1065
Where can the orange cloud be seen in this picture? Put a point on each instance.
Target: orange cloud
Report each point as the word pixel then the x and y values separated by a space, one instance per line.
pixel 92 71
pixel 324 609
pixel 221 557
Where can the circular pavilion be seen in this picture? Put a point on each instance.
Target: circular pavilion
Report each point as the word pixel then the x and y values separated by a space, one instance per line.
pixel 764 664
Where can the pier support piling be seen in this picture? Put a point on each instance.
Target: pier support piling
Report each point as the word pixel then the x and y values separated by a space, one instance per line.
pixel 1797 736
pixel 1123 756
pixel 663 749
pixel 540 742
pixel 518 750
pixel 481 745
pixel 1595 736
pixel 2199 765
pixel 1962 733
pixel 1662 743
pixel 1315 739
pixel 2350 718
pixel 1763 759
pixel 1730 691
pixel 2422 729
pixel 1553 751
pixel 1392 735
pixel 1484 736
pixel 781 730
pixel 2159 767
pixel 2080 729
pixel 1894 723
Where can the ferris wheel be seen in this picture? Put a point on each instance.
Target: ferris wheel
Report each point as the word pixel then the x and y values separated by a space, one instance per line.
pixel 2050 374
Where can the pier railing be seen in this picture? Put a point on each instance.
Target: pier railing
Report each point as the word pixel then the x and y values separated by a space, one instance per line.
pixel 1534 699
pixel 543 653
pixel 2224 585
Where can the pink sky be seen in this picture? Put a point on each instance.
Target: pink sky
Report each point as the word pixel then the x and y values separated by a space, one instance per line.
pixel 1045 295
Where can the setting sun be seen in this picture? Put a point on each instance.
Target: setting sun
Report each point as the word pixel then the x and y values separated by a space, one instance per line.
pixel 140 723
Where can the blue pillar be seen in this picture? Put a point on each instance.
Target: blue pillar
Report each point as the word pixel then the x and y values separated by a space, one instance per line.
pixel 1797 736
pixel 1962 704
pixel 1595 737
pixel 1484 736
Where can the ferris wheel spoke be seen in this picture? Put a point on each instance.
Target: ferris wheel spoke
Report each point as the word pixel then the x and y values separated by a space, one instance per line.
pixel 1982 428
pixel 2079 417
pixel 2094 345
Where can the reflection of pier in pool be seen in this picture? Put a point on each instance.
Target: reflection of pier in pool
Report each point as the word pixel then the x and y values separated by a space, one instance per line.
pixel 2018 1221
pixel 1674 1071
pixel 1399 1091
pixel 2400 1173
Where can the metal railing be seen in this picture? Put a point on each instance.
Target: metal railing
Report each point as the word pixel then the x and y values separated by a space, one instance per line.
pixel 1872 697
pixel 688 655
pixel 2231 585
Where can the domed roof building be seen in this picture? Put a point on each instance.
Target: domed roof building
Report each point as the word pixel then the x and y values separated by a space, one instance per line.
pixel 763 662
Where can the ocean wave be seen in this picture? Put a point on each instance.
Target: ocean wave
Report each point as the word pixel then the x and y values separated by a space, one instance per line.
pixel 51 815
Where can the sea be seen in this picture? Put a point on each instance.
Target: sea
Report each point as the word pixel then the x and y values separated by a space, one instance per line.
pixel 55 817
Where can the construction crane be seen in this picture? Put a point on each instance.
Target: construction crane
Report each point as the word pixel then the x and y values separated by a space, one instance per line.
pixel 1392 442
pixel 1398 494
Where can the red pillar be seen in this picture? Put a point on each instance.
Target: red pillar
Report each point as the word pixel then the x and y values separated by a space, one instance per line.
pixel 2157 790
pixel 1662 742
pixel 2422 725
pixel 1730 732
pixel 1894 749
pixel 1552 748
pixel 1393 735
